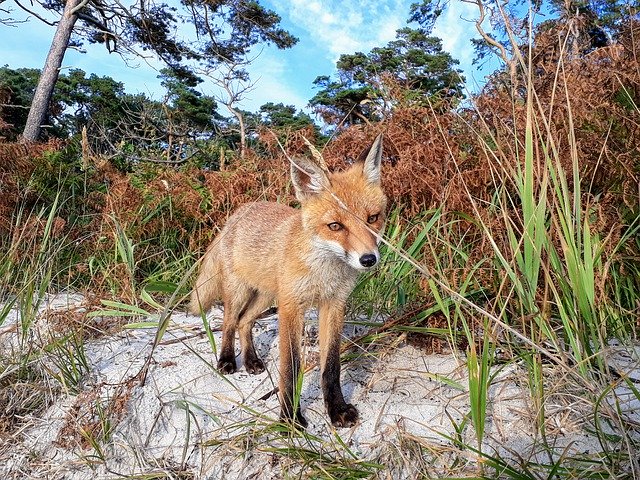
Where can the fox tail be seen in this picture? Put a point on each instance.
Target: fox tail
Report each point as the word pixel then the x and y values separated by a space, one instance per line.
pixel 208 285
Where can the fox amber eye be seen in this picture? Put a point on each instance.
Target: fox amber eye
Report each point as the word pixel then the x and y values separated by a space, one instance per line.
pixel 373 218
pixel 335 226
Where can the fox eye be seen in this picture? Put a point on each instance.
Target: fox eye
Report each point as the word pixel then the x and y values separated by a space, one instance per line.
pixel 335 226
pixel 373 218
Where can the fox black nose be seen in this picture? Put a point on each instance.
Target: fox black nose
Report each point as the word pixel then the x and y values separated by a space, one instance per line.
pixel 368 260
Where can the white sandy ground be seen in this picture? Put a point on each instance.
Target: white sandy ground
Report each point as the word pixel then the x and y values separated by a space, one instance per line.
pixel 189 420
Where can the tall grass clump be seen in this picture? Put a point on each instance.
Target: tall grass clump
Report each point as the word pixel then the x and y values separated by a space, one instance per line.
pixel 526 209
pixel 554 260
pixel 37 361
pixel 553 254
pixel 29 263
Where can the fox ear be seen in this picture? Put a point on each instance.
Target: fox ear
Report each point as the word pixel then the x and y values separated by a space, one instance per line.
pixel 371 161
pixel 308 178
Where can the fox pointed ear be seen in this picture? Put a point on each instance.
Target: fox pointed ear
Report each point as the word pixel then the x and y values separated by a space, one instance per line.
pixel 371 160
pixel 308 178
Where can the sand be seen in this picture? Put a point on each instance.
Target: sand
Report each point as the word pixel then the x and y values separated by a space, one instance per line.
pixel 187 419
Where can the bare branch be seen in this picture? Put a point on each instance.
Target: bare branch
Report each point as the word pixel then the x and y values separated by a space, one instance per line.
pixel 38 16
pixel 80 6
pixel 504 55
pixel 235 86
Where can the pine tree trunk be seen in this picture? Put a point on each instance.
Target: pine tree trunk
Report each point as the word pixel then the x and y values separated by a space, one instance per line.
pixel 241 128
pixel 243 135
pixel 50 72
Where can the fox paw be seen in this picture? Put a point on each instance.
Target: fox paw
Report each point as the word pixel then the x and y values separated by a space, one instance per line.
pixel 343 416
pixel 254 366
pixel 227 366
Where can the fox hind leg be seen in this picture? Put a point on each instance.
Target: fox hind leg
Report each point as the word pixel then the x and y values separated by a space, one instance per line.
pixel 257 303
pixel 227 358
pixel 236 300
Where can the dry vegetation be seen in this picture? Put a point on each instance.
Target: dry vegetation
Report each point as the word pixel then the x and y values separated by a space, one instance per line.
pixel 451 160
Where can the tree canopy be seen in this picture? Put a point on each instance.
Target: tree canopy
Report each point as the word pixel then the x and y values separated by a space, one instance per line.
pixel 204 31
pixel 279 115
pixel 187 36
pixel 414 60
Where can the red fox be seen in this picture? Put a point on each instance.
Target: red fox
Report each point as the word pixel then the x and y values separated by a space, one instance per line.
pixel 299 258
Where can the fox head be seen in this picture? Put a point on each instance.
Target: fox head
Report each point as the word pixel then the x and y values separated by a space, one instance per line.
pixel 344 212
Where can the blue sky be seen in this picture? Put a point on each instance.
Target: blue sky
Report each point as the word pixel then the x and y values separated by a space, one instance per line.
pixel 326 29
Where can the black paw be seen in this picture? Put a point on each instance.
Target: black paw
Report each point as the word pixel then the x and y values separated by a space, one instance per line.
pixel 254 366
pixel 227 366
pixel 343 416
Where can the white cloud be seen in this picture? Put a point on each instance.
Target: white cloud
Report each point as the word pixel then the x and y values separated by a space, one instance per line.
pixel 329 28
pixel 338 27
pixel 272 89
pixel 456 28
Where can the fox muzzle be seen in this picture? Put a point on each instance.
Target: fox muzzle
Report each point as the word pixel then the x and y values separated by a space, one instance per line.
pixel 368 260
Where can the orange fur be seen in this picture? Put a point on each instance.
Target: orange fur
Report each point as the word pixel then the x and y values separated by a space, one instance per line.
pixel 299 258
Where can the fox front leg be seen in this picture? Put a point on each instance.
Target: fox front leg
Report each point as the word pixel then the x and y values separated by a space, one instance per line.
pixel 291 322
pixel 341 413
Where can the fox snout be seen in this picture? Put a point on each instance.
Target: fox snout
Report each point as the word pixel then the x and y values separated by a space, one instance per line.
pixel 363 261
pixel 368 260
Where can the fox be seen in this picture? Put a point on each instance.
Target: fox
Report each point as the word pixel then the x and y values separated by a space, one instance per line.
pixel 269 253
